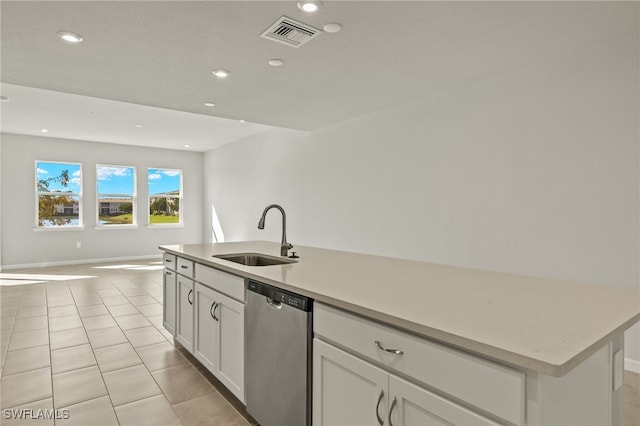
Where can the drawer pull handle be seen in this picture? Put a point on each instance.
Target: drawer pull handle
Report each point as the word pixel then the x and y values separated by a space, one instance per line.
pixel 393 405
pixel 392 351
pixel 380 420
pixel 168 260
pixel 212 311
pixel 184 266
pixel 167 273
pixel 189 297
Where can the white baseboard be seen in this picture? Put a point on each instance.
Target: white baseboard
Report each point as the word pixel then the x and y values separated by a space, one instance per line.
pixel 80 261
pixel 632 365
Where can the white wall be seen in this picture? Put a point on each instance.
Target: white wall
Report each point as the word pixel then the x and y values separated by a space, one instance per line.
pixel 1 206
pixel 22 246
pixel 533 172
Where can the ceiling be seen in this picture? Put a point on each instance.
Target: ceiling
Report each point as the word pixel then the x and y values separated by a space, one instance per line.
pixel 149 62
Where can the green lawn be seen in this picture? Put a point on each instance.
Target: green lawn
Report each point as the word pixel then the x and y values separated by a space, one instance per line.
pixel 127 219
pixel 123 219
pixel 154 218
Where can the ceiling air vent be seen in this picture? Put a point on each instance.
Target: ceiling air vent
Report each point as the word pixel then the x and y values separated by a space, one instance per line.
pixel 290 32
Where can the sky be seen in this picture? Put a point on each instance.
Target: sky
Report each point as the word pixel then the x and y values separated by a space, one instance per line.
pixel 110 179
pixel 53 170
pixel 163 180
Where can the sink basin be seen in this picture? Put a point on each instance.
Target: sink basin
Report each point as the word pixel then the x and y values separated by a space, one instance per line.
pixel 254 259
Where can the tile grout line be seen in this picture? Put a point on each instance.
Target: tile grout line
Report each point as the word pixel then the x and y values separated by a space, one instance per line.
pixel 144 285
pixel 94 357
pixel 134 348
pixel 53 401
pixel 223 397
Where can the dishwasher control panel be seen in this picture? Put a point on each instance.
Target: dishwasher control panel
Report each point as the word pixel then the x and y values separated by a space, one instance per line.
pixel 283 296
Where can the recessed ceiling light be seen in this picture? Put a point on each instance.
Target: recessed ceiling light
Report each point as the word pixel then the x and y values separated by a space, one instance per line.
pixel 333 27
pixel 139 126
pixel 4 99
pixel 242 121
pixel 220 73
pixel 276 62
pixel 309 5
pixel 70 37
pixel 44 130
pixel 186 145
pixel 209 104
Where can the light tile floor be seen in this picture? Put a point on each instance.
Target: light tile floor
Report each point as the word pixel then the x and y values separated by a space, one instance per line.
pixel 89 339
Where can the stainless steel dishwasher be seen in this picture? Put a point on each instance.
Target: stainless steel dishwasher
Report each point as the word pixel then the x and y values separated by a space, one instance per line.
pixel 278 360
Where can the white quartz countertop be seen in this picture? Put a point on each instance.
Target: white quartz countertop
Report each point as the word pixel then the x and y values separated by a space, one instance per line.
pixel 535 324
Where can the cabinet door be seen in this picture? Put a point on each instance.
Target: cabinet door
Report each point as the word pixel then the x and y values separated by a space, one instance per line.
pixel 231 349
pixel 346 389
pixel 207 329
pixel 411 405
pixel 184 323
pixel 169 302
pixel 219 337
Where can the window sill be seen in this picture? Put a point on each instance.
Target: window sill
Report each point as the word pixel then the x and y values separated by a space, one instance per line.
pixel 109 227
pixel 57 228
pixel 164 225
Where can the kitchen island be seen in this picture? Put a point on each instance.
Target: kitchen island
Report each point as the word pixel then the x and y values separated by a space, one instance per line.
pixel 564 339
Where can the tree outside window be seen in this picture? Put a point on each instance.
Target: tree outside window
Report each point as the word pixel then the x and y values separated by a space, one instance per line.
pixel 165 196
pixel 58 194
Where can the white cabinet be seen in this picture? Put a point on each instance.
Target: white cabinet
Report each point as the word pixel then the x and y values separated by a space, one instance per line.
pixel 204 311
pixel 411 405
pixel 346 389
pixel 207 325
pixel 350 391
pixel 476 385
pixel 169 292
pixel 184 314
pixel 219 337
pixel 169 261
pixel 169 302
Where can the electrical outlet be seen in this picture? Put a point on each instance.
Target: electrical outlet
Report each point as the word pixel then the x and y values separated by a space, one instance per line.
pixel 78 244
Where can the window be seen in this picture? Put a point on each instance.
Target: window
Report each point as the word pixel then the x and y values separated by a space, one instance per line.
pixel 116 195
pixel 165 196
pixel 58 194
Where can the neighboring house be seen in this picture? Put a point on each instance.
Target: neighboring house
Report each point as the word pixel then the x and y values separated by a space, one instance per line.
pixel 112 206
pixel 68 210
pixel 170 207
pixel 107 206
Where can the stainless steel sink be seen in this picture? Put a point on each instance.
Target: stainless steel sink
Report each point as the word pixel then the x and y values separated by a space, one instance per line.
pixel 254 259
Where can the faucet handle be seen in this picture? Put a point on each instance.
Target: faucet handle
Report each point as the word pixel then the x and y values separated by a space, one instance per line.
pixel 294 255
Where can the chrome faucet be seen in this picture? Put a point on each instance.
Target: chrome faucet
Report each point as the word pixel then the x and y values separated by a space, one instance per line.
pixel 285 246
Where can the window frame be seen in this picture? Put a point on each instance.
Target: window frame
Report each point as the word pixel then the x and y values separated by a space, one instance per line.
pixel 38 194
pixel 180 198
pixel 134 199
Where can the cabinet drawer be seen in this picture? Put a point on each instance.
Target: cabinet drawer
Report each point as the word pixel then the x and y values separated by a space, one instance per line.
pixel 483 384
pixel 185 267
pixel 223 282
pixel 169 261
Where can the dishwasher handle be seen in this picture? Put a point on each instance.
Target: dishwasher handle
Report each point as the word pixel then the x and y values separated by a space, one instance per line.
pixel 273 303
pixel 277 297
